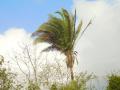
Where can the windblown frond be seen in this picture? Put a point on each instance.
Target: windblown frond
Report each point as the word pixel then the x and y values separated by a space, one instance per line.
pixel 60 32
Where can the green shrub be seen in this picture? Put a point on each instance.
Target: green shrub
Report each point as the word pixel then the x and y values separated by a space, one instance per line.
pixel 33 86
pixel 53 87
pixel 6 78
pixel 73 85
pixel 80 83
pixel 113 82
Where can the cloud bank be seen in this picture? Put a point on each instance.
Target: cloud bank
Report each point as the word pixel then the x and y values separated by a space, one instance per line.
pixel 13 42
pixel 99 47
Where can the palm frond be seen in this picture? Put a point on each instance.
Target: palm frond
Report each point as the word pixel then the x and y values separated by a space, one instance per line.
pixel 78 29
pixel 52 48
pixel 90 22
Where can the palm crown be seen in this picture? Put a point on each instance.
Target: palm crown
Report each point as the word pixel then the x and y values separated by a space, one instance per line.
pixel 59 31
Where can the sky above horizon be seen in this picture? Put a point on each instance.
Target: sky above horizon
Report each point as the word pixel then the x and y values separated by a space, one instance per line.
pixel 29 14
pixel 99 48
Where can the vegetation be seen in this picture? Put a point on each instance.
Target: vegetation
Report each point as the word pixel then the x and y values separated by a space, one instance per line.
pixel 8 81
pixel 5 77
pixel 80 83
pixel 61 33
pixel 113 82
pixel 33 86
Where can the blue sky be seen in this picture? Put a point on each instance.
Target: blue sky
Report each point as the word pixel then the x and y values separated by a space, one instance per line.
pixel 28 14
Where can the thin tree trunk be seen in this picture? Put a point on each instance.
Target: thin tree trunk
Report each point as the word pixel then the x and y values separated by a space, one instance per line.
pixel 72 74
pixel 70 63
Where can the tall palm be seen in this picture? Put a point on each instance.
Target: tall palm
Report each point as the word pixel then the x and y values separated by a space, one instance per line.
pixel 61 33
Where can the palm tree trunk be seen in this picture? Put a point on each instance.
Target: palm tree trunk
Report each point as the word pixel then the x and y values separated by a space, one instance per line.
pixel 72 74
pixel 70 62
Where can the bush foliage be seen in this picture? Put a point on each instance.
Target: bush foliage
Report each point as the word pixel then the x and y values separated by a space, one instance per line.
pixel 6 78
pixel 113 82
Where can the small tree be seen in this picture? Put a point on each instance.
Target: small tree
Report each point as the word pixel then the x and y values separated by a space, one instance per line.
pixel 36 72
pixel 27 57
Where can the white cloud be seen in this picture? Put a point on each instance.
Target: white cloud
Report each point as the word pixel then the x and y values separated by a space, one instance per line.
pixel 10 39
pixel 99 48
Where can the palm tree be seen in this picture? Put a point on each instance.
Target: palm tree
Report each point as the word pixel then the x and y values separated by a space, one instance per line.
pixel 60 32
